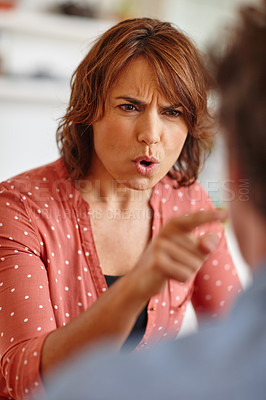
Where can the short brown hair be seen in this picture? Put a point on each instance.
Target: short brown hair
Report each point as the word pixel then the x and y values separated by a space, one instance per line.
pixel 181 76
pixel 241 79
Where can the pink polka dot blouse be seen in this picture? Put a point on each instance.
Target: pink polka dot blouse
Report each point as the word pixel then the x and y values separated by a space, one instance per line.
pixel 50 271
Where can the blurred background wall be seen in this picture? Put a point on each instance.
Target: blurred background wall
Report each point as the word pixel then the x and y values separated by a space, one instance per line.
pixel 41 43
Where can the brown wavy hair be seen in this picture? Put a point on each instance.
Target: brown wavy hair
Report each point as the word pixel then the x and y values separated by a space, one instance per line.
pixel 182 78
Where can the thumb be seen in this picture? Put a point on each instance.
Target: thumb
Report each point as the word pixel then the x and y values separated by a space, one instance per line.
pixel 208 242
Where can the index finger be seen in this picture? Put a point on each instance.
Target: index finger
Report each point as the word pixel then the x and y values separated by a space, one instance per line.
pixel 191 221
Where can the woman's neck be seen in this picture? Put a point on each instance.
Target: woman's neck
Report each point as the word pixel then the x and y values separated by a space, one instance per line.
pixel 113 194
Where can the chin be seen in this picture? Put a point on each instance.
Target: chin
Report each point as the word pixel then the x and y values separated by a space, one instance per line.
pixel 143 183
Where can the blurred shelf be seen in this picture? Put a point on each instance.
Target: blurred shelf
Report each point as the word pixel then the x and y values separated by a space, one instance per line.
pixel 52 25
pixel 19 30
pixel 34 90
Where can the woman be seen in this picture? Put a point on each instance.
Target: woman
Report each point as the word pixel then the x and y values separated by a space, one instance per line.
pixel 133 137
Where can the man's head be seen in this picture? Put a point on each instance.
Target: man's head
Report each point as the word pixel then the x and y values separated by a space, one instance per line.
pixel 241 80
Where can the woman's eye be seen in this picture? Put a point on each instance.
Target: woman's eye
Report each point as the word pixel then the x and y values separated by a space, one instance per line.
pixel 128 107
pixel 173 113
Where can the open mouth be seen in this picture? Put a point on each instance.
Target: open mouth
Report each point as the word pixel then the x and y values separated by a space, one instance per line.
pixel 146 165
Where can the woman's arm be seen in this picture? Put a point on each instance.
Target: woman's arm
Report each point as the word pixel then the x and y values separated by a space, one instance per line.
pixel 174 254
pixel 29 337
pixel 217 283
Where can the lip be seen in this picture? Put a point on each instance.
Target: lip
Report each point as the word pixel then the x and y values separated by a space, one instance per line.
pixel 143 169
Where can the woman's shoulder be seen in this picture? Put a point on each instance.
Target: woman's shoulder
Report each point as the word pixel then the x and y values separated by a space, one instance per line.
pixel 36 180
pixel 194 190
pixel 184 198
pixel 44 173
pixel 36 186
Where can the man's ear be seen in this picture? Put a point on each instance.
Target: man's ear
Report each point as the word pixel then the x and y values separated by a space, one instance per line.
pixel 234 173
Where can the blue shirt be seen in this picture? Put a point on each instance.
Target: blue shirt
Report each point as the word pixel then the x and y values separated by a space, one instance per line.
pixel 224 361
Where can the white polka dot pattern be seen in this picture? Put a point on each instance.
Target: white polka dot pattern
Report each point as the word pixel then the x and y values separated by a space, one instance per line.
pixel 50 273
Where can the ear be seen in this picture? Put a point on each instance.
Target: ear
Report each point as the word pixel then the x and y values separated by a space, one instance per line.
pixel 234 173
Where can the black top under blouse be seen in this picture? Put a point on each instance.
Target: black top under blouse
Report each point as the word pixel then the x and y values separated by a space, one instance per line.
pixel 138 329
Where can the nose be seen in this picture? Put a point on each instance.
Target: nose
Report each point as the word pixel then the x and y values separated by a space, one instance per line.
pixel 148 129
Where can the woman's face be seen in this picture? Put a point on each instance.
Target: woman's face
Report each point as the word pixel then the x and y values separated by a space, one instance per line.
pixel 141 134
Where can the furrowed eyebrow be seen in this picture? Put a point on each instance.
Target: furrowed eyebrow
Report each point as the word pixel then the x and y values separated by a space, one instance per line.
pixel 131 100
pixel 140 103
pixel 173 107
